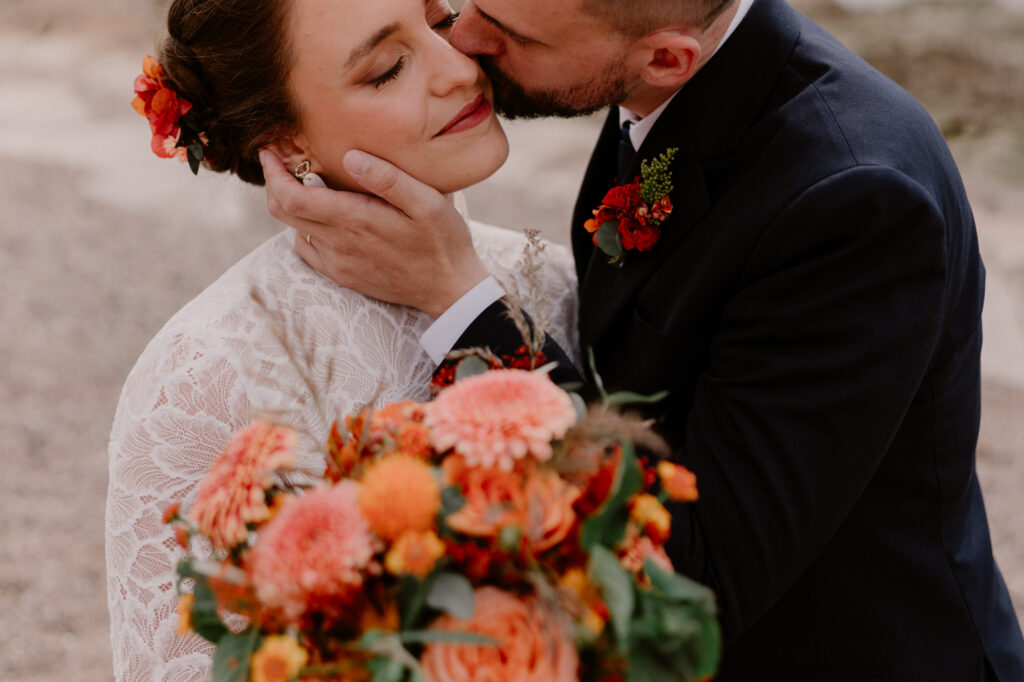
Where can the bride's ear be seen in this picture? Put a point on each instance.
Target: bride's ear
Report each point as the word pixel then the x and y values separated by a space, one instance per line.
pixel 292 151
pixel 671 57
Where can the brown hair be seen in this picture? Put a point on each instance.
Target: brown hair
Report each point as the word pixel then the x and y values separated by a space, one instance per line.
pixel 635 18
pixel 230 59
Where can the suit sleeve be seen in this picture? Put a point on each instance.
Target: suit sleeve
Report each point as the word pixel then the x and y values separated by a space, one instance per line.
pixel 494 330
pixel 816 360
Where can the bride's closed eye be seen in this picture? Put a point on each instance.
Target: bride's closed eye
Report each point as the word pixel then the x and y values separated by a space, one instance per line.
pixel 392 73
pixel 389 75
pixel 447 22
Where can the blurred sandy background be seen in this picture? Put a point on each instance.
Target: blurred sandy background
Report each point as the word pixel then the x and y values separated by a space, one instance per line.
pixel 100 242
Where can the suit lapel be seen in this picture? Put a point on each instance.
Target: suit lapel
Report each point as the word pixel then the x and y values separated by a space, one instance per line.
pixel 606 289
pixel 599 178
pixel 705 120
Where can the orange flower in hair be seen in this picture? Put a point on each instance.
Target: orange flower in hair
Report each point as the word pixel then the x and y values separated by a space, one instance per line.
pixel 174 137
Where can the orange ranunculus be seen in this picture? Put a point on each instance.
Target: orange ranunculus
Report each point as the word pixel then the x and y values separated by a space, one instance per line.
pixel 533 644
pixel 637 549
pixel 593 613
pixel 414 553
pixel 549 512
pixel 279 659
pixel 651 517
pixel 678 482
pixel 494 499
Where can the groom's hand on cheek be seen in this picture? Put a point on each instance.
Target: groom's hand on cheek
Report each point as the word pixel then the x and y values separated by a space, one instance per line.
pixel 406 244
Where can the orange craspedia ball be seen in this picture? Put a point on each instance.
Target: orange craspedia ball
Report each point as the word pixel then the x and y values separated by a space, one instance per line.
pixel 399 493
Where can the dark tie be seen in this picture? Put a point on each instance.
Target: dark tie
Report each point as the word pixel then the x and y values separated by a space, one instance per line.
pixel 626 152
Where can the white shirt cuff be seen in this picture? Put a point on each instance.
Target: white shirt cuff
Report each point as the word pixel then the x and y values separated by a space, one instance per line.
pixel 453 323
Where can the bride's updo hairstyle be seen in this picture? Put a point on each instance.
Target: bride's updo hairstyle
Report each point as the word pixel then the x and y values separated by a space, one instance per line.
pixel 229 58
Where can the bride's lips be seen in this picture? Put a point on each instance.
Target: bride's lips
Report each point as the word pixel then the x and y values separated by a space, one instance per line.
pixel 472 115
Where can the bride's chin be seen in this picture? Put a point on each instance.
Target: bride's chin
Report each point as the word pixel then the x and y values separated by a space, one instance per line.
pixel 485 164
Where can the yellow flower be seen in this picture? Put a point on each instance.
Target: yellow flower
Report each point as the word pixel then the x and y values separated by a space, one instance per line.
pixel 279 659
pixel 678 482
pixel 185 603
pixel 651 517
pixel 594 613
pixel 415 553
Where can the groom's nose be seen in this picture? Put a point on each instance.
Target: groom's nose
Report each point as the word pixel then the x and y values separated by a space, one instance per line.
pixel 473 35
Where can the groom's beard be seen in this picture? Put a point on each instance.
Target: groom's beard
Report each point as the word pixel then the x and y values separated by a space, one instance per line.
pixel 511 99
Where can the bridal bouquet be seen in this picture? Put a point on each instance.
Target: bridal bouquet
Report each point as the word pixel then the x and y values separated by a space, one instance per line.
pixel 498 533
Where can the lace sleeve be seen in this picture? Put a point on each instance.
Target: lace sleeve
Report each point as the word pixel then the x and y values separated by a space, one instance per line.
pixel 217 364
pixel 165 435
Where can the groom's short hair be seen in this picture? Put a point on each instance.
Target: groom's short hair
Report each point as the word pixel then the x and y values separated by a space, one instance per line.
pixel 639 17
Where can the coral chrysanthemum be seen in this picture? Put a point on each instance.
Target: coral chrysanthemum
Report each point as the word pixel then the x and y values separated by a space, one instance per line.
pixel 312 554
pixel 496 418
pixel 399 494
pixel 233 493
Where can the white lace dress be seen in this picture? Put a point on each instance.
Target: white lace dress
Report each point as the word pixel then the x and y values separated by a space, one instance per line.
pixel 217 364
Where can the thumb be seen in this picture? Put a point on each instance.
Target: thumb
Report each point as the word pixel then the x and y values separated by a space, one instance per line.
pixel 392 184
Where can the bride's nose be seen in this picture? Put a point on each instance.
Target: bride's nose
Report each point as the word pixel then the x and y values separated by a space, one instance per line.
pixel 451 69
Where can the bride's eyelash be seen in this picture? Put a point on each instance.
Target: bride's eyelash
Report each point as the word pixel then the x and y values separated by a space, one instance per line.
pixel 389 75
pixel 447 22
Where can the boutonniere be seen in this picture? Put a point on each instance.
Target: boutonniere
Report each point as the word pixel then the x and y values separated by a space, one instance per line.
pixel 630 216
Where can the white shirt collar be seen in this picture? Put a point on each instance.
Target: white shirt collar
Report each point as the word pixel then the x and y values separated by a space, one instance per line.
pixel 642 126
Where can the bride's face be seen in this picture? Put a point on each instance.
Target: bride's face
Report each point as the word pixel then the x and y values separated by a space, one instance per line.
pixel 380 76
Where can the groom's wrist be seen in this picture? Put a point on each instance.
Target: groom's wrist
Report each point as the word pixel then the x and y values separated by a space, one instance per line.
pixel 440 337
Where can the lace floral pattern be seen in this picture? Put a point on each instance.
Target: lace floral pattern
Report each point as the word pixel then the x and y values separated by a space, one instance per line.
pixel 217 364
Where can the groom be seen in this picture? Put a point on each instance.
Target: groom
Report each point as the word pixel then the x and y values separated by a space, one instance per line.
pixel 812 304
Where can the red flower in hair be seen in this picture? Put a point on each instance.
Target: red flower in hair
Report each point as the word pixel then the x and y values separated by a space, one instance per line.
pixel 165 111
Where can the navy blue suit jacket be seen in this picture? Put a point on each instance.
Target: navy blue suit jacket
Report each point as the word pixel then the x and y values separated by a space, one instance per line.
pixel 814 308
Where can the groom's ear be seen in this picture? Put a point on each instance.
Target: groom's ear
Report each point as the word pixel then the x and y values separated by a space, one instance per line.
pixel 671 57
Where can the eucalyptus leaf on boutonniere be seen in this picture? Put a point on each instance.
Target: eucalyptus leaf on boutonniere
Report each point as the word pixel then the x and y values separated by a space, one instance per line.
pixel 630 216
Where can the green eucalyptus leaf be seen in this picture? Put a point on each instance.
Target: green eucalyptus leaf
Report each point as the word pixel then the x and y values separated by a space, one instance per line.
pixel 452 593
pixel 630 398
pixel 592 364
pixel 205 620
pixel 469 367
pixel 578 404
pixel 231 660
pixel 608 240
pixel 446 636
pixel 386 669
pixel 616 590
pixel 678 587
pixel 711 648
pixel 608 526
pixel 412 599
pixel 452 500
pixel 194 158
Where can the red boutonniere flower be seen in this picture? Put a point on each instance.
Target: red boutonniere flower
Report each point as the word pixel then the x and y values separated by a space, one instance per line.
pixel 174 137
pixel 630 216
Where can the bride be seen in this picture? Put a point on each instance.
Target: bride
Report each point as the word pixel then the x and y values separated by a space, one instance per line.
pixel 309 79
